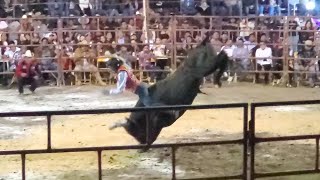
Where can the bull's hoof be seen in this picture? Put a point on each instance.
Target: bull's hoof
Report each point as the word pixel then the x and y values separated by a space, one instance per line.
pixel 143 150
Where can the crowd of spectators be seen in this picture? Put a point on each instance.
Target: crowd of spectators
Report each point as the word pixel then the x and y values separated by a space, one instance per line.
pixel 92 30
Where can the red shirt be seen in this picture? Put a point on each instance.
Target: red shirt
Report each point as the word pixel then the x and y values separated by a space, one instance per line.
pixel 30 68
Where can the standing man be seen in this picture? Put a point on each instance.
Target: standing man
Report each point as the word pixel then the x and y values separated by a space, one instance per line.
pixel 28 72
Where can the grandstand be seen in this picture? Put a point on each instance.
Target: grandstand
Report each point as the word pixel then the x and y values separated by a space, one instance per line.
pixel 52 30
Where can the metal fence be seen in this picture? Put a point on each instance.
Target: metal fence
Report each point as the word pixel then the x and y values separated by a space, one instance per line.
pixel 174 31
pixel 248 141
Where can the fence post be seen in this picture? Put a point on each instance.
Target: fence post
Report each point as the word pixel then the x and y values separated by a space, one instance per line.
pixel 245 142
pixel 173 152
pixel 49 131
pixel 252 141
pixel 286 50
pixel 23 166
pixel 100 165
pixel 60 78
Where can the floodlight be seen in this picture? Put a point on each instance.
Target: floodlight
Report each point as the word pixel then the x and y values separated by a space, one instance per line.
pixel 310 5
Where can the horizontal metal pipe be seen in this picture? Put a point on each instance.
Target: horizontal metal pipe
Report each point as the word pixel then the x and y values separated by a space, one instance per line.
pixel 286 173
pixel 121 110
pixel 285 103
pixel 214 178
pixel 87 149
pixel 285 138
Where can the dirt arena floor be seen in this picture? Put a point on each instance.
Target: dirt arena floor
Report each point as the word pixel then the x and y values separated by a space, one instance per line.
pixel 195 125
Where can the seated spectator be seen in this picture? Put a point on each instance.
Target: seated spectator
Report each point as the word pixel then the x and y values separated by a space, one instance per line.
pixel 277 62
pixel 147 61
pixel 307 33
pixel 216 42
pixel 264 61
pixel 84 58
pixel 128 58
pixel 159 48
pixel 244 28
pixel 251 43
pixel 241 59
pixel 306 62
pixel 13 55
pixel 46 54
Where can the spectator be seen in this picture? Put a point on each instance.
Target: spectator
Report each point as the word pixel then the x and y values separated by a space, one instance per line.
pixel 264 61
pixel 203 8
pixel 277 62
pixel 244 28
pixel 241 59
pixel 293 36
pixel 251 43
pixel 126 56
pixel 216 42
pixel 146 61
pixel 58 7
pixel 13 55
pixel 272 5
pixel 307 33
pixel 46 53
pixel 84 58
pixel 307 63
pixel 129 8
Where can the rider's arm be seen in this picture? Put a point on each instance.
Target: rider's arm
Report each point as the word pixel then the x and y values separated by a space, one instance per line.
pixel 121 84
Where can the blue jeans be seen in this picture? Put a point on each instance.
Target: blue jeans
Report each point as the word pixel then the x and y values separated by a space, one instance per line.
pixel 143 93
pixel 272 10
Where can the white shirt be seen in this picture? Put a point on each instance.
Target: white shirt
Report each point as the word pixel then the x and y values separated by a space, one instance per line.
pixel 12 54
pixel 262 54
pixel 228 50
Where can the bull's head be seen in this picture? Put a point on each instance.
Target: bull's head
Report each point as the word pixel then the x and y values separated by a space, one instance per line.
pixel 204 60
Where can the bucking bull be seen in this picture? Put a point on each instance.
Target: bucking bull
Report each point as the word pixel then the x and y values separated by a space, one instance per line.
pixel 180 88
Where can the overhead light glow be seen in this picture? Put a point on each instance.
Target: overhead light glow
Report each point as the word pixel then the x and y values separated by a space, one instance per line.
pixel 310 5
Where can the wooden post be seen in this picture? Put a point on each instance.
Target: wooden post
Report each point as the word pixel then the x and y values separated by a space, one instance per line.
pixel 60 78
pixel 174 43
pixel 286 44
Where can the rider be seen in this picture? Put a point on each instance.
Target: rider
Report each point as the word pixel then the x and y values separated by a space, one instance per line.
pixel 126 80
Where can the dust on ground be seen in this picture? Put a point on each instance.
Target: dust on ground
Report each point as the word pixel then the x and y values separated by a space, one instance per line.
pixel 195 125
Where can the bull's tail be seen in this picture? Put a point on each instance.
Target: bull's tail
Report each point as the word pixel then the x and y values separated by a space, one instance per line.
pixel 117 125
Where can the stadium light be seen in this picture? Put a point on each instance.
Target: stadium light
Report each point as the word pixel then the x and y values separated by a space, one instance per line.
pixel 310 5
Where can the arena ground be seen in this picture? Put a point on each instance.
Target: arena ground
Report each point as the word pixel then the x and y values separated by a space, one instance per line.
pixel 196 125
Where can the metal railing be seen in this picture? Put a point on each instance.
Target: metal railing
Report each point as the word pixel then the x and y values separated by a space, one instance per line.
pixel 249 139
pixel 99 150
pixel 255 140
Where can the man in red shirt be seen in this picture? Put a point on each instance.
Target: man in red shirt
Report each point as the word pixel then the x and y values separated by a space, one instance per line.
pixel 28 72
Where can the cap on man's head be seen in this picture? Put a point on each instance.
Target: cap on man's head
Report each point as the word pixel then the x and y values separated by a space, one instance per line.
pixel 28 54
pixel 308 43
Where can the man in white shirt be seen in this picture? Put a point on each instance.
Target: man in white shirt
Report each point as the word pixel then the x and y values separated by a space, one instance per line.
pixel 264 61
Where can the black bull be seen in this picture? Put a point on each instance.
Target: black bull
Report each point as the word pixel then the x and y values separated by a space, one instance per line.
pixel 180 88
